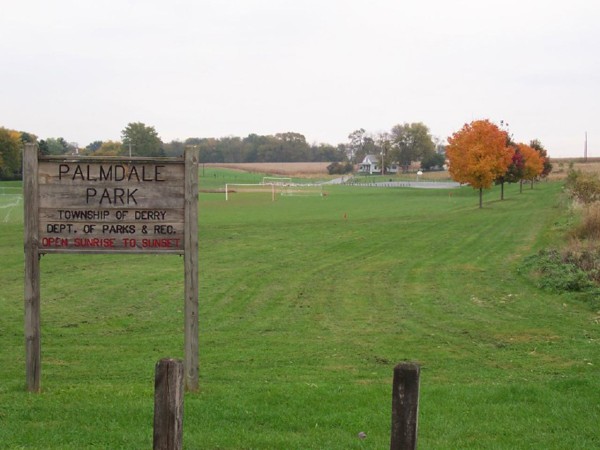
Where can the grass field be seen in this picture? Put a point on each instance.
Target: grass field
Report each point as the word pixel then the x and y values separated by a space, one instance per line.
pixel 306 304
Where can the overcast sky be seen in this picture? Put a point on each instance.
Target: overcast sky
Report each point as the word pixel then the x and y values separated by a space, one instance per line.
pixel 83 70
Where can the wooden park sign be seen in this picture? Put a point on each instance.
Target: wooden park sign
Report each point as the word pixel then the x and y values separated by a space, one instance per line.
pixel 98 205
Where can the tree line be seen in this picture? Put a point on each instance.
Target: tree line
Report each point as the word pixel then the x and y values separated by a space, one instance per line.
pixel 481 153
pixel 403 144
pixel 137 139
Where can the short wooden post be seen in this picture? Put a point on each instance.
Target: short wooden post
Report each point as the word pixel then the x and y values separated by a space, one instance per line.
pixel 33 346
pixel 168 405
pixel 405 406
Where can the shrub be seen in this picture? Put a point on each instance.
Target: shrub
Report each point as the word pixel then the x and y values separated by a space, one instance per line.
pixel 576 266
pixel 589 227
pixel 586 256
pixel 432 161
pixel 584 187
pixel 555 273
pixel 339 168
pixel 572 176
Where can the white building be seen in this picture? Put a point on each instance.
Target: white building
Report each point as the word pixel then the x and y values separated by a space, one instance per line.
pixel 372 164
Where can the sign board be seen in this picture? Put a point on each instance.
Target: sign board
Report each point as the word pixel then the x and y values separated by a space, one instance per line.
pixel 92 205
pixel 110 205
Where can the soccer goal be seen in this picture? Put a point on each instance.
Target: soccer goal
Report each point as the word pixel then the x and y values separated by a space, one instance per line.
pixel 11 204
pixel 288 190
pixel 279 181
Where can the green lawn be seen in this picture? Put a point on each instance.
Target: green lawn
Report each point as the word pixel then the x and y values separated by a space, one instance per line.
pixel 306 305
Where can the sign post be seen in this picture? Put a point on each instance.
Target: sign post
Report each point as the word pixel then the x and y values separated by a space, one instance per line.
pixel 32 270
pixel 191 363
pixel 99 205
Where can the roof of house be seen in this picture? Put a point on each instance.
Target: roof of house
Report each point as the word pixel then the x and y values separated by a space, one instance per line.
pixel 370 159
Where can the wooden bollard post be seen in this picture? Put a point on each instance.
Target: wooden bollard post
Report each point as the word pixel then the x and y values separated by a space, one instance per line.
pixel 405 406
pixel 168 405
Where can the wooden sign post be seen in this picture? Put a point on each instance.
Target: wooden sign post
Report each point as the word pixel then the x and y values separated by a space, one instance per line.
pixel 405 406
pixel 168 405
pixel 99 205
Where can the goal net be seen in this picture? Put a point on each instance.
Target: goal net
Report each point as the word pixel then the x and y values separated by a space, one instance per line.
pixel 306 190
pixel 271 189
pixel 11 204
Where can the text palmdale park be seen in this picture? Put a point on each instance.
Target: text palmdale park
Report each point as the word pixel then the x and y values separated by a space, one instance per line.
pixel 111 206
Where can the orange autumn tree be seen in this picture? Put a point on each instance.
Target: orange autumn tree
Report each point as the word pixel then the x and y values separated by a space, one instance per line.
pixel 478 155
pixel 534 163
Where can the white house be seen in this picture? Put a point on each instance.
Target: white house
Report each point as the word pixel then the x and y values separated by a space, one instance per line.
pixel 372 164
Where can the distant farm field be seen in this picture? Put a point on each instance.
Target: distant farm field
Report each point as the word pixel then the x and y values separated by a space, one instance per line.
pixel 288 169
pixel 319 169
pixel 312 170
pixel 562 166
pixel 306 305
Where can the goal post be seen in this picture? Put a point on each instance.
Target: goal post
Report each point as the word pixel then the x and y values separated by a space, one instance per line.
pixel 286 190
pixel 11 203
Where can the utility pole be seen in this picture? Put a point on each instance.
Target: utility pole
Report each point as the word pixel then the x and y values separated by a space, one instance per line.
pixel 585 148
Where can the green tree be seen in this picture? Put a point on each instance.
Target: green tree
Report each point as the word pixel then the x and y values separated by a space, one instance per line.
pixel 174 148
pixel 267 149
pixel 43 147
pixel 370 147
pixel 54 146
pixel 109 148
pixel 411 142
pixel 326 153
pixel 93 146
pixel 355 145
pixel 432 161
pixel 384 145
pixel 141 140
pixel 10 154
pixel 361 145
pixel 28 138
pixel 282 147
pixel 231 149
pixel 209 153
pixel 339 168
pixel 293 147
